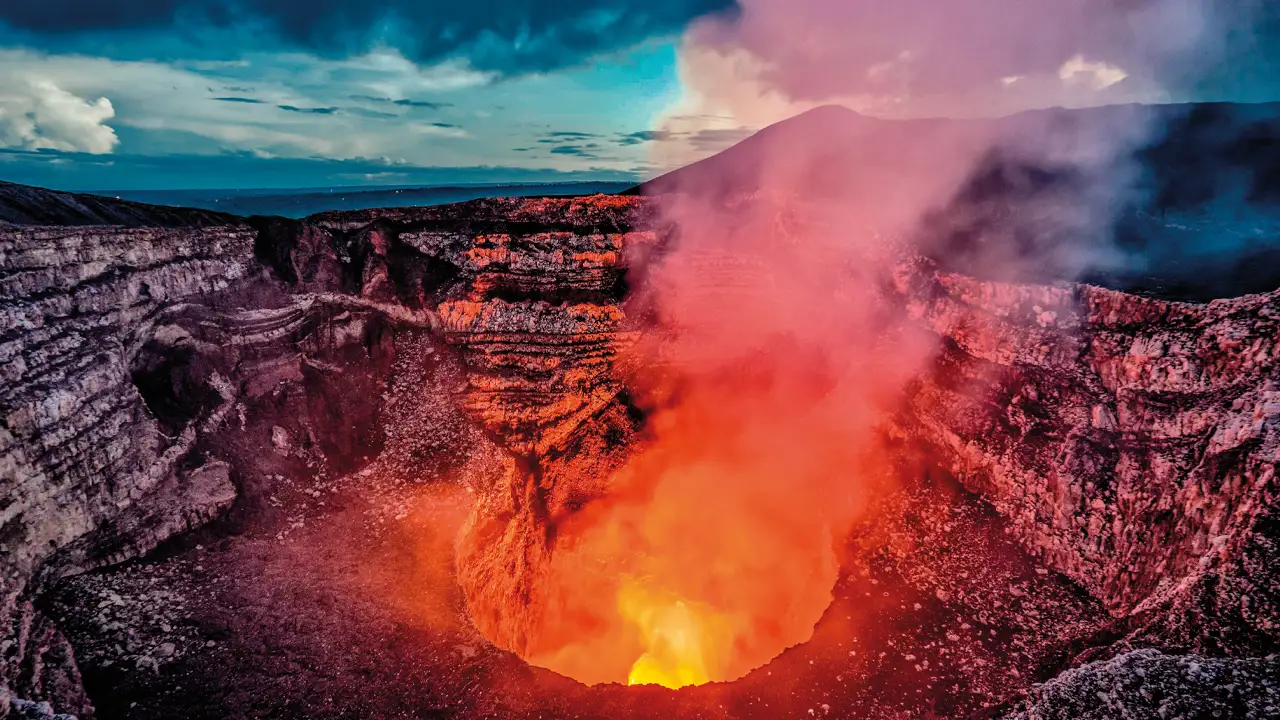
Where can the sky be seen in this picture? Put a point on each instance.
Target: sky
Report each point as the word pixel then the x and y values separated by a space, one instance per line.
pixel 184 94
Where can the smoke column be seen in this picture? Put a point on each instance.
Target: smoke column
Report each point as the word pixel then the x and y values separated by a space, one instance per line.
pixel 776 350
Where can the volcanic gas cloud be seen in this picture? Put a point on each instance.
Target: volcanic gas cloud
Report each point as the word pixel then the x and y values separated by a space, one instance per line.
pixel 770 363
pixel 772 345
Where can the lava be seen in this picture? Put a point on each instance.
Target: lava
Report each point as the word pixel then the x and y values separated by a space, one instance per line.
pixel 684 643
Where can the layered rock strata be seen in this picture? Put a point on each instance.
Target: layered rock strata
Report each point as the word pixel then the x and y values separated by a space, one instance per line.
pixel 541 330
pixel 1133 442
pixel 125 354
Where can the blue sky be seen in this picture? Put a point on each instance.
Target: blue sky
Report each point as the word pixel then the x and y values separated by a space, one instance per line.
pixel 171 94
pixel 182 94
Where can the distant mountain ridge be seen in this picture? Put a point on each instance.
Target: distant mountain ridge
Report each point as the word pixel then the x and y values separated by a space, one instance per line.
pixel 1180 137
pixel 1196 215
pixel 27 205
pixel 310 201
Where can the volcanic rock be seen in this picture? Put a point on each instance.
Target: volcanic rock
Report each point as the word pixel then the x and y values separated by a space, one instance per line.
pixel 1145 683
pixel 1133 442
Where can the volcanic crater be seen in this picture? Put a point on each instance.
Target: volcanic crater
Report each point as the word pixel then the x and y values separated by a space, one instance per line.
pixel 475 461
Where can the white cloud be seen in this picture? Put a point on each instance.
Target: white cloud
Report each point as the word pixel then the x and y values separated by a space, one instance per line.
pixel 451 131
pixel 293 105
pixel 1098 75
pixel 40 115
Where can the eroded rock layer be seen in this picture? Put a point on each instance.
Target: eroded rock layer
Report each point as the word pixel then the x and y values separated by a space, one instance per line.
pixel 541 329
pixel 1132 441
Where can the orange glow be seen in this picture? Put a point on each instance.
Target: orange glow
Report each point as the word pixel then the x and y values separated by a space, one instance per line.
pixel 713 550
pixel 682 641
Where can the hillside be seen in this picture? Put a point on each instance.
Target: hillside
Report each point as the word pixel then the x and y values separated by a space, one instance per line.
pixel 26 205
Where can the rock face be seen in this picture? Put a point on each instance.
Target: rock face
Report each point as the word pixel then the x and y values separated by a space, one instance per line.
pixel 1132 442
pixel 131 353
pixel 1147 684
pixel 126 354
pixel 101 404
pixel 540 330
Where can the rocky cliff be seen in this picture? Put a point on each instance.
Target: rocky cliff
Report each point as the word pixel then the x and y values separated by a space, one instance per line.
pixel 1133 442
pixel 128 353
pixel 101 405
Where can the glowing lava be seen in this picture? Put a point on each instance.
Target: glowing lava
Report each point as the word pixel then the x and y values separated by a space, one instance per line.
pixel 684 644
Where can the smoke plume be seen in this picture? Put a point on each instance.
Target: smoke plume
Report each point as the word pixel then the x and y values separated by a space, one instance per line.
pixel 777 347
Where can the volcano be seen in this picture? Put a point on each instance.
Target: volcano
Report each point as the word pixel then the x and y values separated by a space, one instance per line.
pixel 512 457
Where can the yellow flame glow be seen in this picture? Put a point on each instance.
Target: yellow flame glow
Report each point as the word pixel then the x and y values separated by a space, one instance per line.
pixel 684 642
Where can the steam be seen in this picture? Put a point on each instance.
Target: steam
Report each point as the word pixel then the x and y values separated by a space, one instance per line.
pixel 776 349
pixel 1032 196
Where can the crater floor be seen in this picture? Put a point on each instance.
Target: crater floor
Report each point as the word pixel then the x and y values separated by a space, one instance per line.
pixel 337 599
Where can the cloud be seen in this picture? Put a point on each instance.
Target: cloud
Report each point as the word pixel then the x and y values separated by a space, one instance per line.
pixel 575 150
pixel 920 58
pixel 170 108
pixel 371 114
pixel 403 102
pixel 569 134
pixel 439 129
pixel 296 108
pixel 510 37
pixel 643 136
pixel 309 111
pixel 422 104
pixel 717 139
pixel 39 115
pixel 1099 75
pixel 962 58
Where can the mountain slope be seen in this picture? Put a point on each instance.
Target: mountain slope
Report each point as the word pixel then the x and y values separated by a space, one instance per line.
pixel 1181 201
pixel 27 205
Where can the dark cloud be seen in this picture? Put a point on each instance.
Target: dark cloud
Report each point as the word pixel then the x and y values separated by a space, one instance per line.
pixel 422 104
pixel 583 151
pixel 511 37
pixel 245 100
pixel 443 125
pixel 643 136
pixel 427 104
pixel 309 111
pixel 566 136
